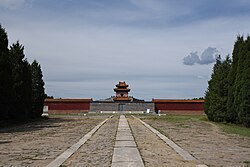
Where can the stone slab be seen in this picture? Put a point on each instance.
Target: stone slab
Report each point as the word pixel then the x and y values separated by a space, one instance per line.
pixel 127 164
pixel 125 138
pixel 125 143
pixel 123 130
pixel 119 133
pixel 125 152
pixel 126 155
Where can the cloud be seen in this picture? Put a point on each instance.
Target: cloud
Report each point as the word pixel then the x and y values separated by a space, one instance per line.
pixel 12 4
pixel 208 56
pixel 81 46
pixel 191 59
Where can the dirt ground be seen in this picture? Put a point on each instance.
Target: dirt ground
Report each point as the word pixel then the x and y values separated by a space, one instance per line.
pixel 37 144
pixel 97 151
pixel 153 150
pixel 206 141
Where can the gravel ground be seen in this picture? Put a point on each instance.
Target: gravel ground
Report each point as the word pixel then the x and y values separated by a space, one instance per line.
pixel 37 144
pixel 97 151
pixel 207 142
pixel 153 150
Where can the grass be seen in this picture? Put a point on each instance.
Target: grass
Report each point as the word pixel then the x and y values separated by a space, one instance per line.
pixel 181 119
pixel 177 118
pixel 235 129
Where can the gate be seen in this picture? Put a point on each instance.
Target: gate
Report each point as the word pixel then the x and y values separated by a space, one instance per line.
pixel 121 107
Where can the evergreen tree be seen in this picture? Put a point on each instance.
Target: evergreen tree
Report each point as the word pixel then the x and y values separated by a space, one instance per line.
pixel 21 85
pixel 217 93
pixel 242 85
pixel 38 94
pixel 5 76
pixel 232 115
pixel 210 95
pixel 21 82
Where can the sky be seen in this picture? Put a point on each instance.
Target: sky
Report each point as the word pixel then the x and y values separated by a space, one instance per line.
pixel 161 48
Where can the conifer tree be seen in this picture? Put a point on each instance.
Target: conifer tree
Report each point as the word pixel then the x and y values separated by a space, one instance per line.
pixel 232 114
pixel 242 85
pixel 217 93
pixel 210 95
pixel 21 82
pixel 38 93
pixel 5 76
pixel 20 90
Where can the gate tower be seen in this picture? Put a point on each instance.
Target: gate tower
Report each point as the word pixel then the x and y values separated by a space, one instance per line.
pixel 121 92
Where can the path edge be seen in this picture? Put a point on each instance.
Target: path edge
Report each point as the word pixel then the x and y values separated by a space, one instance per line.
pixel 67 153
pixel 183 153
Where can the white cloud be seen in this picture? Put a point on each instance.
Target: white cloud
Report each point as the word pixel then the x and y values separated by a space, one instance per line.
pixel 208 56
pixel 82 59
pixel 191 59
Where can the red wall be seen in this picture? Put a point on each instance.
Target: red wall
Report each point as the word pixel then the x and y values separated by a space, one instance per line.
pixel 67 106
pixel 75 106
pixel 179 106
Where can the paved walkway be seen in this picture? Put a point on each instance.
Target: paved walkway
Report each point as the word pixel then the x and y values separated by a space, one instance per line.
pixel 125 151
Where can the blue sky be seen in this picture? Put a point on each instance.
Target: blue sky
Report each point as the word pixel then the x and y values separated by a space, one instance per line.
pixel 161 48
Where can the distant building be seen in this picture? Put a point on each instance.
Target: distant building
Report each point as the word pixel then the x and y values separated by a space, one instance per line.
pixel 123 103
pixel 121 91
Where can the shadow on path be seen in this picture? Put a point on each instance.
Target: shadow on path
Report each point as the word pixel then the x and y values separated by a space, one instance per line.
pixel 34 125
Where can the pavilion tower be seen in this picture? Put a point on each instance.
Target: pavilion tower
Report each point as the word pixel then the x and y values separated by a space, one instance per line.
pixel 121 92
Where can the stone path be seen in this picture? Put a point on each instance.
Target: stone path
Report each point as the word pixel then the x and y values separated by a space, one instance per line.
pixel 125 151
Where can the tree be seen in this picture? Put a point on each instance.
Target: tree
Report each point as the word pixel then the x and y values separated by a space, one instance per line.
pixel 217 93
pixel 21 82
pixel 232 115
pixel 6 94
pixel 211 95
pixel 38 94
pixel 48 97
pixel 21 85
pixel 242 84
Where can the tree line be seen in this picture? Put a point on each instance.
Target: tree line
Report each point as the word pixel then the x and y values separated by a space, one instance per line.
pixel 228 95
pixel 21 84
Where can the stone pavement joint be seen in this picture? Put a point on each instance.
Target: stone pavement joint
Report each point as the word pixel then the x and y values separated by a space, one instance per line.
pixel 183 153
pixel 125 151
pixel 66 154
